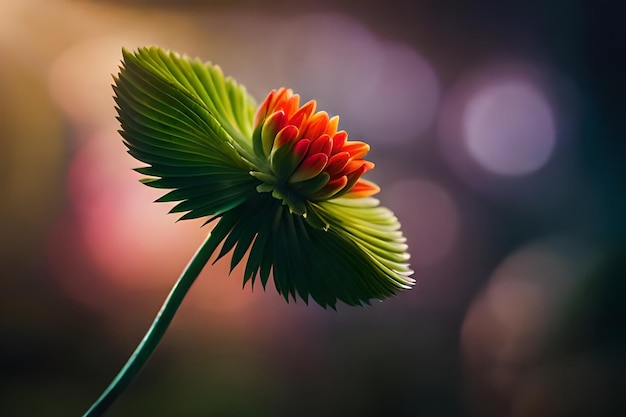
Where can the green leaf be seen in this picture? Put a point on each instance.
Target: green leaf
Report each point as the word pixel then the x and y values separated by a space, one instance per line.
pixel 326 265
pixel 191 126
pixel 374 230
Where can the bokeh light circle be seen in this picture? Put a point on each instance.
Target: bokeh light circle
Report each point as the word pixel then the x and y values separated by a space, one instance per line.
pixel 509 128
pixel 507 122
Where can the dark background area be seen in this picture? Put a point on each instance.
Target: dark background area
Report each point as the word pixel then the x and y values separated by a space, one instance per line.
pixel 498 134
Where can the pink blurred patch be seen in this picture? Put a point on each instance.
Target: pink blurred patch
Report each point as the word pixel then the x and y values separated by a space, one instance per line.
pixel 133 241
pixel 119 246
pixel 430 220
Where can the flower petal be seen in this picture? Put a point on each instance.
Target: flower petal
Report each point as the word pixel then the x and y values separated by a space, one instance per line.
pixel 339 140
pixel 337 163
pixel 356 149
pixel 309 168
pixel 316 125
pixel 272 125
pixel 286 135
pixel 363 188
pixel 322 144
pixel 303 113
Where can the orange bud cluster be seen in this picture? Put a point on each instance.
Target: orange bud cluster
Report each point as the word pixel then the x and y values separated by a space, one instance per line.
pixel 307 155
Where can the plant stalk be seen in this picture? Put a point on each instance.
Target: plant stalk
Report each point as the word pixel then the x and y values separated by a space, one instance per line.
pixel 156 331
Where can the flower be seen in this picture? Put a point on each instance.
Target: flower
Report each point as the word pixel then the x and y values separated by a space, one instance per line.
pixel 307 158
pixel 283 184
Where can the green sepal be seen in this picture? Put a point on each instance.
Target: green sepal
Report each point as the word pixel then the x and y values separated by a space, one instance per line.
pixel 312 185
pixel 295 202
pixel 265 177
pixel 284 161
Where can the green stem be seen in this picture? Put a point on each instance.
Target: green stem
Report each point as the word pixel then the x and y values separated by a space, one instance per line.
pixel 152 338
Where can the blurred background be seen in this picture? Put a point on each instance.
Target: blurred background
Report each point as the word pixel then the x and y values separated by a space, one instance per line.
pixel 498 134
